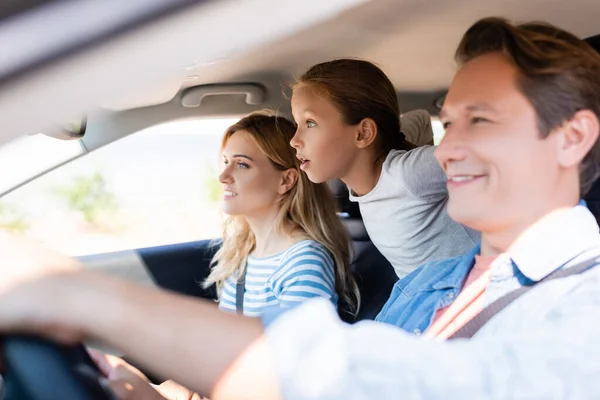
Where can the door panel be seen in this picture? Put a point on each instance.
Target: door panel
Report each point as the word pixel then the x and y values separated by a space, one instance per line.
pixel 178 267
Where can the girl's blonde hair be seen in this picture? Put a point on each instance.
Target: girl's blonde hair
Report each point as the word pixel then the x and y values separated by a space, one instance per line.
pixel 310 208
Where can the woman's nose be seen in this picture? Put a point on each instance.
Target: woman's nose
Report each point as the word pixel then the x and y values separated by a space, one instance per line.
pixel 225 176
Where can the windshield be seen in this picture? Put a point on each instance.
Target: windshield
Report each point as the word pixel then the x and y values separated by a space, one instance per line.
pixel 26 157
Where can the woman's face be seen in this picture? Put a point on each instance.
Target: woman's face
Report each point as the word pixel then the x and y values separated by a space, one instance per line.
pixel 252 185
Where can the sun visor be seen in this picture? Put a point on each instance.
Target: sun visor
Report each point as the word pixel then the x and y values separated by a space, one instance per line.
pixel 158 94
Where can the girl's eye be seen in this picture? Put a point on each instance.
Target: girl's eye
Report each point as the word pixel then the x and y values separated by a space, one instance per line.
pixel 243 165
pixel 476 120
pixel 310 123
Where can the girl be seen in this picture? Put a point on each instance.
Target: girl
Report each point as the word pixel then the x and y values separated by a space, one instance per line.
pixel 349 128
pixel 282 237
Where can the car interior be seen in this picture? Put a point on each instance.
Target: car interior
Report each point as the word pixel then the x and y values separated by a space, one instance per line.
pixel 152 64
pixel 259 79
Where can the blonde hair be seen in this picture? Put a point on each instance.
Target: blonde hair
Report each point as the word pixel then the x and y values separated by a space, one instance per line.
pixel 309 207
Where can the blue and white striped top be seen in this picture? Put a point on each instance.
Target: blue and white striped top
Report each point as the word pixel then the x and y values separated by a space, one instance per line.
pixel 303 271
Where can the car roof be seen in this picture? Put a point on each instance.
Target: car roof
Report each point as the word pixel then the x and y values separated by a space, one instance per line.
pixel 268 41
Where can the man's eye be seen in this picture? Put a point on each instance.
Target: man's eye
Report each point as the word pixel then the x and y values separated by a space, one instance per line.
pixel 446 125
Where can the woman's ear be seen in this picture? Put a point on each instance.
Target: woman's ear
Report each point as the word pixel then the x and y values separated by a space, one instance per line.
pixel 366 133
pixel 578 137
pixel 289 177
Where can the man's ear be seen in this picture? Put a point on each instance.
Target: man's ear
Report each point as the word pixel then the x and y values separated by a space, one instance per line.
pixel 579 135
pixel 366 133
pixel 289 177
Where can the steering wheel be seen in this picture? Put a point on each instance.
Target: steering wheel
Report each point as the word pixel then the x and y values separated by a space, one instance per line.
pixel 37 369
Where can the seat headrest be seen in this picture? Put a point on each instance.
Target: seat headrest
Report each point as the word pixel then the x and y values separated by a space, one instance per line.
pixel 348 208
pixel 349 211
pixel 356 229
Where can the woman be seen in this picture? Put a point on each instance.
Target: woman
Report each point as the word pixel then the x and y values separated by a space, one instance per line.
pixel 282 236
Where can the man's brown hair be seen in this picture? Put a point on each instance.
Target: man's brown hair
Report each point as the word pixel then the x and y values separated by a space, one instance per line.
pixel 559 74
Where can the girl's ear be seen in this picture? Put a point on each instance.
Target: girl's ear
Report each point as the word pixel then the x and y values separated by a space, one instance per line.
pixel 366 133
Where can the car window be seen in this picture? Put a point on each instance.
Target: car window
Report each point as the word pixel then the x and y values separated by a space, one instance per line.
pixel 438 130
pixel 158 186
pixel 28 156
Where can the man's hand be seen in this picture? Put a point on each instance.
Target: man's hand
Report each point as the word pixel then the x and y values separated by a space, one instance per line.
pixel 174 391
pixel 129 383
pixel 125 380
pixel 47 294
pixel 33 283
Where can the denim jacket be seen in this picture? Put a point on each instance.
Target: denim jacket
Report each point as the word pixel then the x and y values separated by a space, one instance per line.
pixel 417 297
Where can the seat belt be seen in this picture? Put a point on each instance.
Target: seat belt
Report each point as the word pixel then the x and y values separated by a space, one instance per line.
pixel 240 288
pixel 470 328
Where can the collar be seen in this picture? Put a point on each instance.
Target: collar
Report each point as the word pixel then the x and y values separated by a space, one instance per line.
pixel 555 240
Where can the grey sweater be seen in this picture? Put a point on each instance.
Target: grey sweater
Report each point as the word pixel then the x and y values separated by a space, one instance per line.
pixel 405 214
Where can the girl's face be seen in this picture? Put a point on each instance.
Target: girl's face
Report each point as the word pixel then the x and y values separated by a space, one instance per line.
pixel 323 141
pixel 252 185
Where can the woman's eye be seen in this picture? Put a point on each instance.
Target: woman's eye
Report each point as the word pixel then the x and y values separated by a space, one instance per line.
pixel 310 123
pixel 243 165
pixel 446 125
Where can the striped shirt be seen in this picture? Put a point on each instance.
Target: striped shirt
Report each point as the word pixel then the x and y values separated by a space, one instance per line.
pixel 303 271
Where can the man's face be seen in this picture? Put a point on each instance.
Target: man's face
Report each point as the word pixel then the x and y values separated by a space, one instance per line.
pixel 501 173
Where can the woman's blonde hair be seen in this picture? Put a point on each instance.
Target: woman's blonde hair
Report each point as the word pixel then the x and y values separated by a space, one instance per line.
pixel 310 208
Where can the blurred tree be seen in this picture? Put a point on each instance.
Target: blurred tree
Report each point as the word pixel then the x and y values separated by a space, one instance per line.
pixel 89 195
pixel 211 186
pixel 11 219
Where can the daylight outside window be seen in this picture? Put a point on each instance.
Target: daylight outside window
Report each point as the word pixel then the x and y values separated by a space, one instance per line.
pixel 158 186
pixel 438 130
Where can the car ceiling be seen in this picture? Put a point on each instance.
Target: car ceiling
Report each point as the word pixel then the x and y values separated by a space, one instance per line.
pixel 411 40
pixel 270 42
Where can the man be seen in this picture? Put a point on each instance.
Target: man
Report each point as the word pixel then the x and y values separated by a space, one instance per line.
pixel 495 160
pixel 521 147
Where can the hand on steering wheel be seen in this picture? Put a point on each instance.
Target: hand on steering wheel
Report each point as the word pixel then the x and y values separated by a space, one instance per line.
pixel 36 369
pixel 126 381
